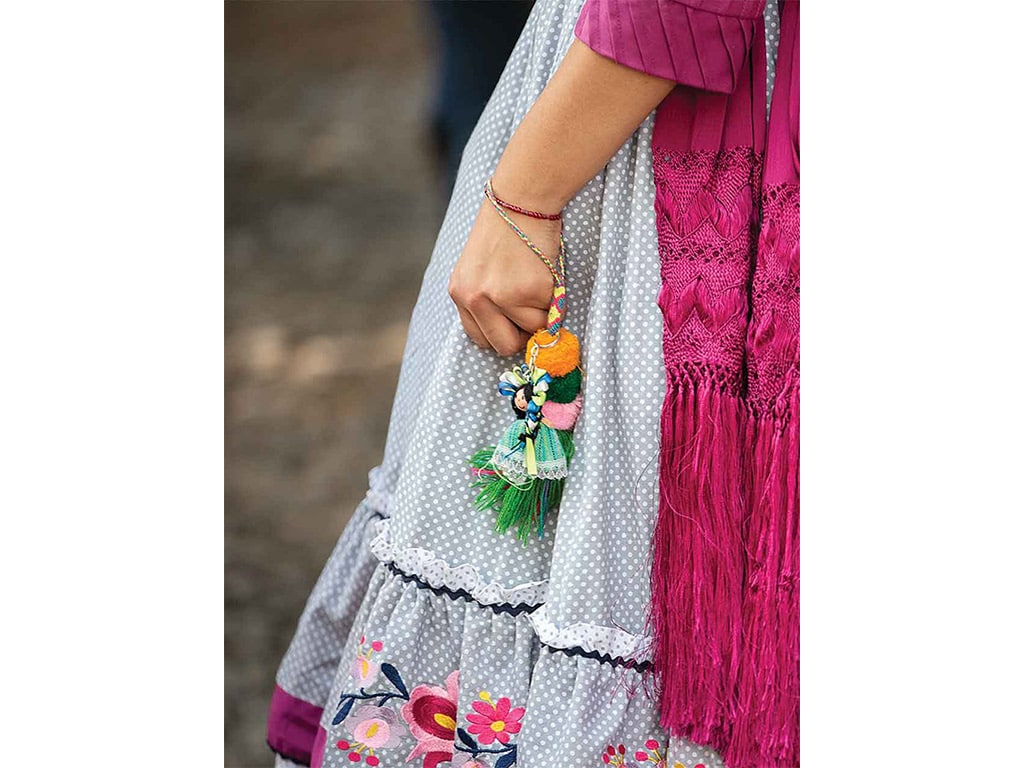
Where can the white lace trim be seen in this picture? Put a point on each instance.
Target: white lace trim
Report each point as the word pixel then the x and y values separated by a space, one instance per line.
pixel 425 565
pixel 594 638
pixel 514 470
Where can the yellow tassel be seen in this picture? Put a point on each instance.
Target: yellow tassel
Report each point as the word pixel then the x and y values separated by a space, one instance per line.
pixel 531 458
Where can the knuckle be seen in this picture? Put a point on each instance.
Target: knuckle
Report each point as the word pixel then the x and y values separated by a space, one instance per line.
pixel 474 299
pixel 503 289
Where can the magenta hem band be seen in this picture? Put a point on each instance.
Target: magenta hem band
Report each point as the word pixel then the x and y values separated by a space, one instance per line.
pixel 292 726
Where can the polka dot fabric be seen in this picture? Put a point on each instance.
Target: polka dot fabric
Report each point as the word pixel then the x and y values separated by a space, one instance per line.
pixel 422 573
pixel 771 39
pixel 315 652
pixel 593 552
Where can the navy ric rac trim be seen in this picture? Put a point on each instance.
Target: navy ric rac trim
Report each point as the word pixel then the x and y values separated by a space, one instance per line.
pixel 604 658
pixel 460 594
pixel 515 610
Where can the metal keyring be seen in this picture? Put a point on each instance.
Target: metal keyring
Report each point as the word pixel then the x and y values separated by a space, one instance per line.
pixel 537 347
pixel 551 343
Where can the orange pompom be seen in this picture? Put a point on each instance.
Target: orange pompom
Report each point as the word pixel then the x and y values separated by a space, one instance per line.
pixel 559 358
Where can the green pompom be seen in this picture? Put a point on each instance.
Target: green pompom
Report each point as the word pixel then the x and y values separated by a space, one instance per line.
pixel 564 389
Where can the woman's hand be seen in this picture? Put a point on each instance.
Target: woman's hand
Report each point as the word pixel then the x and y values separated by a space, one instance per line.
pixel 588 109
pixel 502 290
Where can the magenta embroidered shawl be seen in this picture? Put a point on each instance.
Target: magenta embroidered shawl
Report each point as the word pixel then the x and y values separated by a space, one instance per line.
pixel 725 570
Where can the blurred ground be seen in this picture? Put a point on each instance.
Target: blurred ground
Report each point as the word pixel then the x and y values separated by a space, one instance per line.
pixel 332 205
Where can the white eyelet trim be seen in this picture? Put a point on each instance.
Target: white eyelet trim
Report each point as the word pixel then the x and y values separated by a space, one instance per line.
pixel 425 565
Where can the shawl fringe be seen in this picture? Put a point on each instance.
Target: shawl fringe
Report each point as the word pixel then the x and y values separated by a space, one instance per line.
pixel 766 730
pixel 698 567
pixel 726 572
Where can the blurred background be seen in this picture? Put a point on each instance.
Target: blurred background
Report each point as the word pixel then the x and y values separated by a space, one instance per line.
pixel 344 122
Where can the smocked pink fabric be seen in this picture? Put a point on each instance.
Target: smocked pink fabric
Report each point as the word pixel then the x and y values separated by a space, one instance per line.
pixel 725 573
pixel 669 38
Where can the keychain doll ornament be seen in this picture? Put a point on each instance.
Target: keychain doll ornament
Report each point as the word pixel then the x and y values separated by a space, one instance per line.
pixel 522 476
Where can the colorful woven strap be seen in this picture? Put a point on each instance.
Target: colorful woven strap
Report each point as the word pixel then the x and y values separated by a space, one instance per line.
pixel 556 312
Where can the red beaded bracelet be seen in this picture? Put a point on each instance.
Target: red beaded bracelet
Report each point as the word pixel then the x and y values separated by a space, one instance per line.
pixel 517 209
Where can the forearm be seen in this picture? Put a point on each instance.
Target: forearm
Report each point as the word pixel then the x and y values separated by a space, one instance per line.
pixel 589 108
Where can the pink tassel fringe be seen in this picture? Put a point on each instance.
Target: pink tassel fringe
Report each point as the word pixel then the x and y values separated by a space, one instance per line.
pixel 766 733
pixel 725 576
pixel 698 564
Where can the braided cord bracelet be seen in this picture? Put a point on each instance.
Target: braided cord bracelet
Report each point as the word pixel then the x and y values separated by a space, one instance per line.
pixel 517 209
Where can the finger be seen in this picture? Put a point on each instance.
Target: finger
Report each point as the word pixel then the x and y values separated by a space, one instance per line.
pixel 530 319
pixel 502 334
pixel 472 329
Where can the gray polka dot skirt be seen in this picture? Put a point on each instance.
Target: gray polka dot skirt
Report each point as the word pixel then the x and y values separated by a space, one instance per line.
pixel 429 638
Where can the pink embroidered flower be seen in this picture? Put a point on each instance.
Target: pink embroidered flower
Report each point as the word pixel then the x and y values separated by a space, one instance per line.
pixel 364 672
pixel 372 728
pixel 493 720
pixel 430 714
pixel 464 760
pixel 617 757
pixel 652 754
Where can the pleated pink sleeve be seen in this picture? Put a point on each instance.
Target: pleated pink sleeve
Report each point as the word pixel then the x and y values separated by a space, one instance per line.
pixel 699 43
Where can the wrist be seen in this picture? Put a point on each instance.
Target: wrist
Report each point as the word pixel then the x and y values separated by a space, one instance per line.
pixel 543 232
pixel 535 194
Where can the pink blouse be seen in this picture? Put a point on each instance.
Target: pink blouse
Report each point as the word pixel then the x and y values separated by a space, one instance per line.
pixel 700 43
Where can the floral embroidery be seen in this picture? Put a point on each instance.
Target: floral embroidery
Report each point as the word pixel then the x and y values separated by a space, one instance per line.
pixel 651 753
pixel 490 721
pixel 431 713
pixel 615 757
pixel 348 700
pixel 372 728
pixel 365 671
pixel 494 721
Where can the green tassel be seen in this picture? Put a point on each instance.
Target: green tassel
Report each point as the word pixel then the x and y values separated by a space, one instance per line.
pixel 481 458
pixel 523 507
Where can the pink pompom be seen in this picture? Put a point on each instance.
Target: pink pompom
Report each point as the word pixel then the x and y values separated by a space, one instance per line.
pixel 562 415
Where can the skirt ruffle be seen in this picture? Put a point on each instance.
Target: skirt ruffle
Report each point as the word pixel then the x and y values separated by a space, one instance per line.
pixel 424 673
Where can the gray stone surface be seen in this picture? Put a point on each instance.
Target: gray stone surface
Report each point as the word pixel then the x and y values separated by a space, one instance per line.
pixel 332 205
